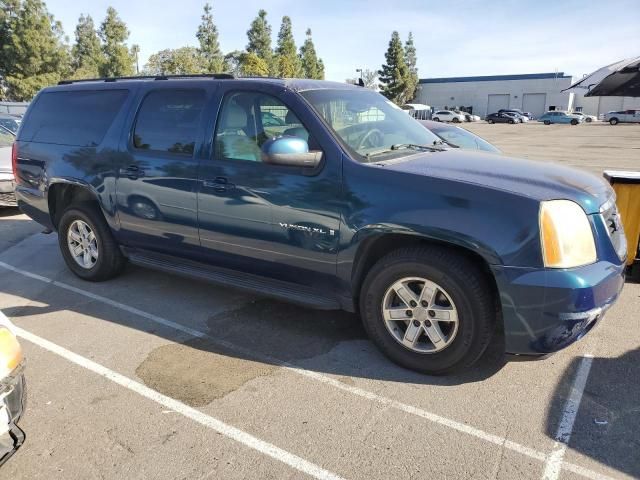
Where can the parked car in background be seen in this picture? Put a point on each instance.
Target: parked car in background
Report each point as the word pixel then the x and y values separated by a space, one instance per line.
pixel 448 116
pixel 458 137
pixel 501 118
pixel 525 115
pixel 10 122
pixel 585 117
pixel 353 205
pixel 418 111
pixel 557 116
pixel 519 118
pixel 468 117
pixel 12 390
pixel 14 108
pixel 7 185
pixel 624 116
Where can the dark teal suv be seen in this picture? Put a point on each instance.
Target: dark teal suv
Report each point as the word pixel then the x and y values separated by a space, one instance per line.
pixel 325 195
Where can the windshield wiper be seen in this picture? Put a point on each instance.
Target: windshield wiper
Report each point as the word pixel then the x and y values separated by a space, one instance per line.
pixel 433 148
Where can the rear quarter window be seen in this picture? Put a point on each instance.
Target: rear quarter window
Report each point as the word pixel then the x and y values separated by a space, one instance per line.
pixel 79 118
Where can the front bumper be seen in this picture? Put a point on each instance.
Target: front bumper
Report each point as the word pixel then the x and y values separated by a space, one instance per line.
pixel 7 190
pixel 12 404
pixel 546 310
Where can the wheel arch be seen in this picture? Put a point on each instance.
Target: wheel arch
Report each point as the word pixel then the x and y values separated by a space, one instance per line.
pixel 61 193
pixel 376 246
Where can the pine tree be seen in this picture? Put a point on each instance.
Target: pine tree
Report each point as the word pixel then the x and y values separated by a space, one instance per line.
pixel 394 73
pixel 254 66
pixel 209 46
pixel 287 61
pixel 320 69
pixel 86 54
pixel 118 61
pixel 32 53
pixel 411 60
pixel 311 64
pixel 259 35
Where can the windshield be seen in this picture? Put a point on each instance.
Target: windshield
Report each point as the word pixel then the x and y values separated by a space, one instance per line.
pixel 368 124
pixel 459 137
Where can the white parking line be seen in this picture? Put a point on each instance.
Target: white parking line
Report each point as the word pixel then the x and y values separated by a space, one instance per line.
pixel 553 464
pixel 236 434
pixel 432 417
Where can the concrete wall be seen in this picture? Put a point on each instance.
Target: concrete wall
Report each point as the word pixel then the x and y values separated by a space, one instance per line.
pixel 475 93
pixel 600 105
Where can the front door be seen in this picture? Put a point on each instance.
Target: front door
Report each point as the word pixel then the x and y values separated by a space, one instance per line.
pixel 157 172
pixel 276 221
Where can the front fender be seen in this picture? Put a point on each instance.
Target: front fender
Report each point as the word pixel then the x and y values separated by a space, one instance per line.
pixel 501 227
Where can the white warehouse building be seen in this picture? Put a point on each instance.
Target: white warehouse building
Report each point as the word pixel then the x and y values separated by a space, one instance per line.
pixel 532 92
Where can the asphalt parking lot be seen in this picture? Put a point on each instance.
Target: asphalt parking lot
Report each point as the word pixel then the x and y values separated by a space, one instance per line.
pixel 154 376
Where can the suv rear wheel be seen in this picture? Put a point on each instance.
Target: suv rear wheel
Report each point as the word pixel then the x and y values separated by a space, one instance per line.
pixel 87 245
pixel 428 309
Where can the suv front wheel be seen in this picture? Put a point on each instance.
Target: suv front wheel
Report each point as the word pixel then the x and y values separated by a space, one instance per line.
pixel 428 309
pixel 87 245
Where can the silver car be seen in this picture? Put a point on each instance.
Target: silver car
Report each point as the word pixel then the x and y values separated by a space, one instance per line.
pixel 624 116
pixel 7 184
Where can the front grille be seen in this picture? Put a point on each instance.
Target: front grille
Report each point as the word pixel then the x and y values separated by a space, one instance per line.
pixel 8 199
pixel 613 222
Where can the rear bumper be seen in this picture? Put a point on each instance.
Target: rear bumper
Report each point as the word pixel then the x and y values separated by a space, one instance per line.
pixel 546 310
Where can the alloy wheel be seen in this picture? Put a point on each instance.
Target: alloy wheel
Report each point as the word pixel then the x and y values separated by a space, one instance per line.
pixel 420 315
pixel 82 244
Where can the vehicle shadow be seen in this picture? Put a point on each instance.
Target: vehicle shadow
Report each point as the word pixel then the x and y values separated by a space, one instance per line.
pixel 8 212
pixel 266 331
pixel 607 425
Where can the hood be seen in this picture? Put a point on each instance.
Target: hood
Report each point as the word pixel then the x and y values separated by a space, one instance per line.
pixel 538 180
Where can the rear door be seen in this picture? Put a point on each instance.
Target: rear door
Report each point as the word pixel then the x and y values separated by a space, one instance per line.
pixel 157 171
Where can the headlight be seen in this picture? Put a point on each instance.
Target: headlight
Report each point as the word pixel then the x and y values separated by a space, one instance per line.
pixel 566 235
pixel 10 352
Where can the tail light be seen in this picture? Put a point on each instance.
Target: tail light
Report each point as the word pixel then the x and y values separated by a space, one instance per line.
pixel 14 160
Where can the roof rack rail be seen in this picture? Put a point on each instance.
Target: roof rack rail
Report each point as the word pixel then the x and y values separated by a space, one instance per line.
pixel 216 76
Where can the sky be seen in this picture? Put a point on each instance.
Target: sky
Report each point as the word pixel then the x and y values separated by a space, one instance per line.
pixel 452 37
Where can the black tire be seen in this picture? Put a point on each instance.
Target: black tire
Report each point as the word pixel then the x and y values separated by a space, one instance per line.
pixel 436 119
pixel 455 120
pixel 467 286
pixel 589 120
pixel 512 121
pixel 110 260
pixel 491 122
pixel 547 122
pixel 574 122
pixel 613 121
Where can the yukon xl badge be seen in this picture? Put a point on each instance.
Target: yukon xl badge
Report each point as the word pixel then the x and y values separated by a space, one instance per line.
pixel 304 228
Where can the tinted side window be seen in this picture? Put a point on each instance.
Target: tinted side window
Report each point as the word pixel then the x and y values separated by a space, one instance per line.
pixel 248 119
pixel 79 118
pixel 168 121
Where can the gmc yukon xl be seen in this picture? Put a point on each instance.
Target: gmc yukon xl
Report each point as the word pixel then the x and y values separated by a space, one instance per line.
pixel 325 195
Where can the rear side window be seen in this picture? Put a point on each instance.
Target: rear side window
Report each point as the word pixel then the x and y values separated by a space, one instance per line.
pixel 80 118
pixel 168 121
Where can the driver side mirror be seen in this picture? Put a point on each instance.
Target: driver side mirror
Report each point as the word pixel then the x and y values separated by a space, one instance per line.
pixel 290 151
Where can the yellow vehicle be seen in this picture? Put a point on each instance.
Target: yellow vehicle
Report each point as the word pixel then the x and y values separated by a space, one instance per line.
pixel 627 187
